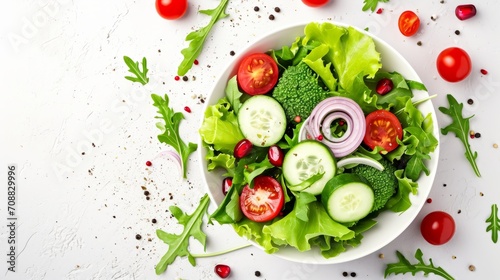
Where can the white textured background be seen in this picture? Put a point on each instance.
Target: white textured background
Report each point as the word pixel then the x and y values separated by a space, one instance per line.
pixel 80 205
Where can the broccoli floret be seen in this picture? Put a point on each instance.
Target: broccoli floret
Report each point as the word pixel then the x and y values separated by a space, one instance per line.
pixel 384 183
pixel 298 91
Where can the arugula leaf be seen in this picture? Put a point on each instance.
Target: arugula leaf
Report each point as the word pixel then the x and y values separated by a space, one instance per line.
pixel 199 36
pixel 372 4
pixel 140 76
pixel 233 93
pixel 404 266
pixel 178 244
pixel 170 130
pixel 460 127
pixel 494 222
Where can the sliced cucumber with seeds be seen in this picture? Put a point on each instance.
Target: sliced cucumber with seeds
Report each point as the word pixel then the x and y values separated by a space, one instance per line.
pixel 307 159
pixel 262 120
pixel 348 198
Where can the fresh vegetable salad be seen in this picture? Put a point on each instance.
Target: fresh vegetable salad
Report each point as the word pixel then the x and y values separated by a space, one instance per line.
pixel 316 140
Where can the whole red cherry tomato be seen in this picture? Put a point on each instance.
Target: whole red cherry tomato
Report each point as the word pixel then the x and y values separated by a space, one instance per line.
pixel 453 64
pixel 437 227
pixel 315 3
pixel 408 23
pixel 171 9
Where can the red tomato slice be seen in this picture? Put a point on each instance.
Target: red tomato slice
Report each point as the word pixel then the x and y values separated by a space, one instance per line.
pixel 453 64
pixel 264 202
pixel 382 129
pixel 437 227
pixel 257 73
pixel 408 23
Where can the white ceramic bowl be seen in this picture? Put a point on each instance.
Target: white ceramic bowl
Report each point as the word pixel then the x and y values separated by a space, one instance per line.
pixel 390 225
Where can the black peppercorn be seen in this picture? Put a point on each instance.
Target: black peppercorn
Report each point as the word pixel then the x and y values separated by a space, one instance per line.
pixel 257 273
pixel 345 274
pixel 185 78
pixel 256 8
pixel 277 9
pixel 271 17
pixel 353 274
pixel 138 236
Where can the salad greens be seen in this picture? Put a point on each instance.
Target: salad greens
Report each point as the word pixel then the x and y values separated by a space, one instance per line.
pixel 197 38
pixel 351 71
pixel 178 244
pixel 404 266
pixel 494 223
pixel 134 68
pixel 170 130
pixel 460 127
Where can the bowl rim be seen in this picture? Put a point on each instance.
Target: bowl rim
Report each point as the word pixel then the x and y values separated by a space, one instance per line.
pixel 417 200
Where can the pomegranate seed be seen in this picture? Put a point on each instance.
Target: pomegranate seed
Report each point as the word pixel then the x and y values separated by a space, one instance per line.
pixel 226 184
pixel 242 148
pixel 222 270
pixel 380 10
pixel 275 155
pixel 464 12
pixel 196 62
pixel 297 119
pixel 484 72
pixel 320 137
pixel 384 86
pixel 187 109
pixel 148 163
pixel 177 78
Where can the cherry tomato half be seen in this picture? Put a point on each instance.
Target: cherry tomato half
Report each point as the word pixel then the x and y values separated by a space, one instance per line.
pixel 408 23
pixel 437 227
pixel 171 9
pixel 257 73
pixel 315 3
pixel 453 64
pixel 382 129
pixel 264 202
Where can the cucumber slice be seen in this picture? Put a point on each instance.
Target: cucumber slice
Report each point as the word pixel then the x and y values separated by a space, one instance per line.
pixel 348 198
pixel 262 120
pixel 307 159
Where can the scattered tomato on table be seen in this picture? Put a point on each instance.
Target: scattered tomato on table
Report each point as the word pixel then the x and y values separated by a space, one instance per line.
pixel 408 23
pixel 453 64
pixel 437 227
pixel 315 3
pixel 171 9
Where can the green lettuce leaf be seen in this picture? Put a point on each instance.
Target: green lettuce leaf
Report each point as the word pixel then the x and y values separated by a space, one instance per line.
pixel 220 127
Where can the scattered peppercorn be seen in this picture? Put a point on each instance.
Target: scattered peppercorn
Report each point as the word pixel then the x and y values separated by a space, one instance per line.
pixel 433 17
pixel 185 78
pixel 380 256
pixel 495 145
pixel 271 17
pixel 146 192
pixel 345 274
pixel 457 32
pixel 138 236
pixel 257 273
pixel 444 185
pixel 472 267
pixel 442 1
pixel 484 72
pixel 477 135
pixel 148 163
pixel 277 9
pixel 256 8
pixel 177 78
pixel 419 43
pixel 231 53
pixel 153 221
pixel 470 101
pixel 459 211
pixel 353 274
pixel 454 257
pixel 481 194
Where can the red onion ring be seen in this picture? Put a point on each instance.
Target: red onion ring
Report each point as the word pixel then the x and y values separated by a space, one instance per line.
pixel 173 156
pixel 317 126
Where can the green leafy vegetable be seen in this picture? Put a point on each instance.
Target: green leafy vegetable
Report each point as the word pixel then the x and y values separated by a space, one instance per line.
pixel 233 93
pixel 494 222
pixel 404 266
pixel 220 127
pixel 372 4
pixel 199 36
pixel 134 68
pixel 178 244
pixel 460 127
pixel 170 130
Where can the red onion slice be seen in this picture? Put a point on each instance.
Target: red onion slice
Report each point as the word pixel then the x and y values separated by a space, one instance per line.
pixel 173 156
pixel 329 110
